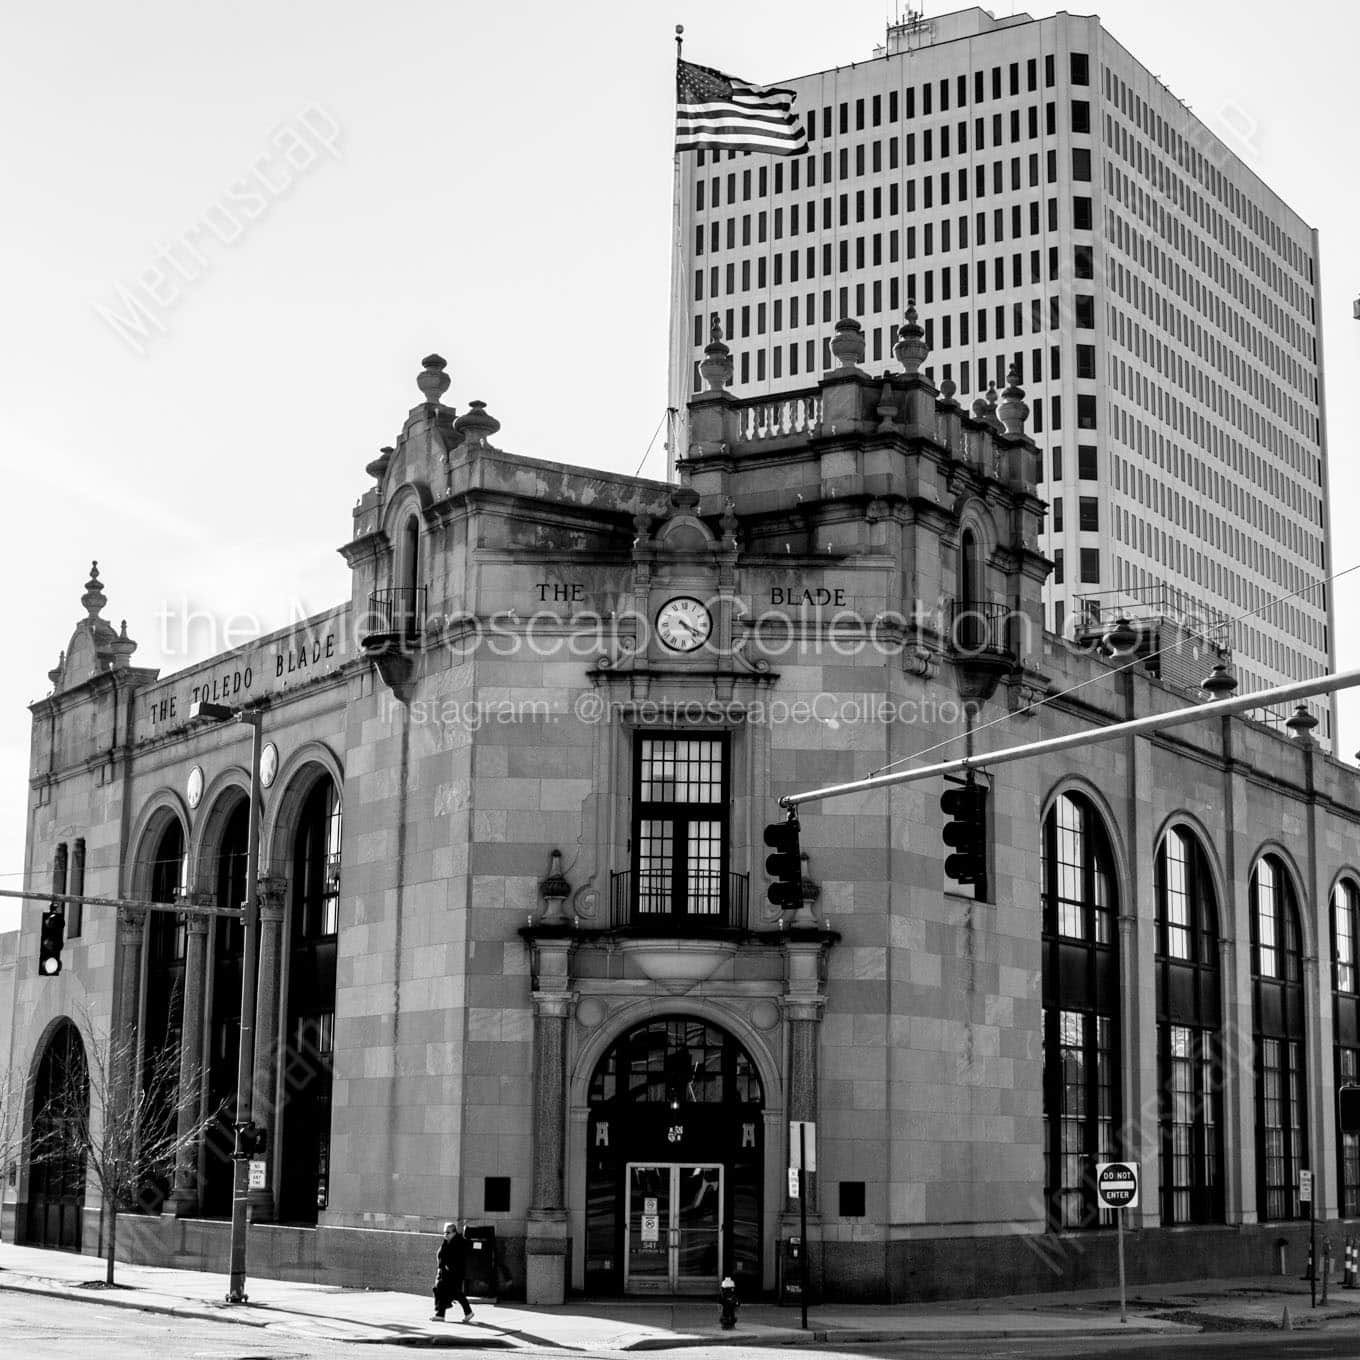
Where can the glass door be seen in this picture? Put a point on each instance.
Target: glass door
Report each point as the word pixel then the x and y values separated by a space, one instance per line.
pixel 673 1228
pixel 647 1263
pixel 697 1224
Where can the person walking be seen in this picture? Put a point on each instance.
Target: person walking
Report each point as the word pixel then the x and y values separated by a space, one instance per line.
pixel 452 1266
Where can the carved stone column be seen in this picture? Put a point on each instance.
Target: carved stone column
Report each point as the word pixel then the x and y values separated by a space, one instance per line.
pixel 123 1049
pixel 545 1275
pixel 183 1198
pixel 269 987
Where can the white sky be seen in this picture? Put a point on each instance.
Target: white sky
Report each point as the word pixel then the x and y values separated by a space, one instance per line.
pixel 491 182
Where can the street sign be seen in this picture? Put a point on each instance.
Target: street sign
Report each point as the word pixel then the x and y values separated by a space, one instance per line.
pixel 796 1144
pixel 1117 1185
pixel 1306 1186
pixel 793 1182
pixel 256 1181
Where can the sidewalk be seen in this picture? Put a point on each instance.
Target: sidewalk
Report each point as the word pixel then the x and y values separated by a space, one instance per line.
pixel 324 1312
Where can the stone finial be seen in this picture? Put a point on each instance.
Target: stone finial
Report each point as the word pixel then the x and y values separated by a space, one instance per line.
pixel 716 368
pixel 1301 724
pixel 947 389
pixel 94 598
pixel 122 647
pixel 432 380
pixel 991 405
pixel 980 411
pixel 476 424
pixel 377 469
pixel 848 346
pixel 554 890
pixel 54 675
pixel 911 349
pixel 729 523
pixel 1012 411
pixel 1219 683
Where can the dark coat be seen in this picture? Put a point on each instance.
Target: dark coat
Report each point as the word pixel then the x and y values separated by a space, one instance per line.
pixel 453 1258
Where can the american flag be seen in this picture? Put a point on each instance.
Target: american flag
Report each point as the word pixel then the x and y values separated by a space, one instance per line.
pixel 715 112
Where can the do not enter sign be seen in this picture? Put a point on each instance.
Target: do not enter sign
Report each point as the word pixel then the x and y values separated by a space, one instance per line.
pixel 1117 1185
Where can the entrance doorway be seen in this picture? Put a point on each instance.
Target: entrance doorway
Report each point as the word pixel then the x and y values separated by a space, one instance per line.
pixel 674 1162
pixel 674 1228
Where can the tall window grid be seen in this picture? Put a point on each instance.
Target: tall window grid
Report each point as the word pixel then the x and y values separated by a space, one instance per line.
pixel 1346 1026
pixel 1188 1021
pixel 680 824
pixel 1081 999
pixel 1277 1014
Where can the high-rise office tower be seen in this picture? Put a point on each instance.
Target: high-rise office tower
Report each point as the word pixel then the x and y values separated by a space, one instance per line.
pixel 1051 205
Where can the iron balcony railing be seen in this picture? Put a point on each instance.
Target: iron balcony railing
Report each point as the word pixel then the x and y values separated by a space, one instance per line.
pixel 399 609
pixel 975 627
pixel 649 901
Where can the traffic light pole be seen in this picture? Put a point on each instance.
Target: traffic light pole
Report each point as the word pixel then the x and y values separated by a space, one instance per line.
pixel 245 1063
pixel 81 900
pixel 1155 722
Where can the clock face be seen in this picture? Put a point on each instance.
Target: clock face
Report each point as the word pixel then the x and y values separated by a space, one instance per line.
pixel 269 764
pixel 683 623
pixel 195 787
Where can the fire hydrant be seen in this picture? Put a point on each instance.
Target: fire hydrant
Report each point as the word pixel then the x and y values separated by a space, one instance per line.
pixel 727 1296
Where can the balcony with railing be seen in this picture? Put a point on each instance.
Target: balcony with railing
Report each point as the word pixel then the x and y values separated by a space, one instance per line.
pixel 647 902
pixel 979 628
pixel 392 632
pixel 397 611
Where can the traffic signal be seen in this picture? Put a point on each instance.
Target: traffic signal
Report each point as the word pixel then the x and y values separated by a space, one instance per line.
pixel 52 938
pixel 251 1139
pixel 785 866
pixel 966 832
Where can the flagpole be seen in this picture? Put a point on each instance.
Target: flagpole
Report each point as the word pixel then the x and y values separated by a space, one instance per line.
pixel 677 422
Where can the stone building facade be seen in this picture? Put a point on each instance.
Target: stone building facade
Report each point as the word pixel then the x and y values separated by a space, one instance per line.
pixel 517 963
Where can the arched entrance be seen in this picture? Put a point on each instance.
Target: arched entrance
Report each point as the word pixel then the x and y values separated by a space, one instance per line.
pixel 56 1180
pixel 674 1163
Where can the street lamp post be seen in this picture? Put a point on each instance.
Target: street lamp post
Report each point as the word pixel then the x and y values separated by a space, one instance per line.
pixel 250 918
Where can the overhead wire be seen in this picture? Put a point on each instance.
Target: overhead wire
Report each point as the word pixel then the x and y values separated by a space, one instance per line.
pixel 1133 661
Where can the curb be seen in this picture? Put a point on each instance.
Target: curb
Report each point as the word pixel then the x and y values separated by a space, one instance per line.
pixel 841 1336
pixel 205 1312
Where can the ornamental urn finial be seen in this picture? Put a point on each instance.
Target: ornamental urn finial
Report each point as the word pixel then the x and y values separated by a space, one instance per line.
pixel 476 424
pixel 94 598
pixel 911 349
pixel 432 380
pixel 1013 409
pixel 716 368
pixel 848 346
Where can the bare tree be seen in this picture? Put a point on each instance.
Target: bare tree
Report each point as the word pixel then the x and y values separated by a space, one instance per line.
pixel 121 1117
pixel 11 1127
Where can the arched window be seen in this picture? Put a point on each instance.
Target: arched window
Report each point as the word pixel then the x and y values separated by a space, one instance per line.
pixel 968 569
pixel 230 857
pixel 1277 1023
pixel 408 574
pixel 1188 1016
pixel 1081 1010
pixel 1346 1012
pixel 61 1104
pixel 305 1119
